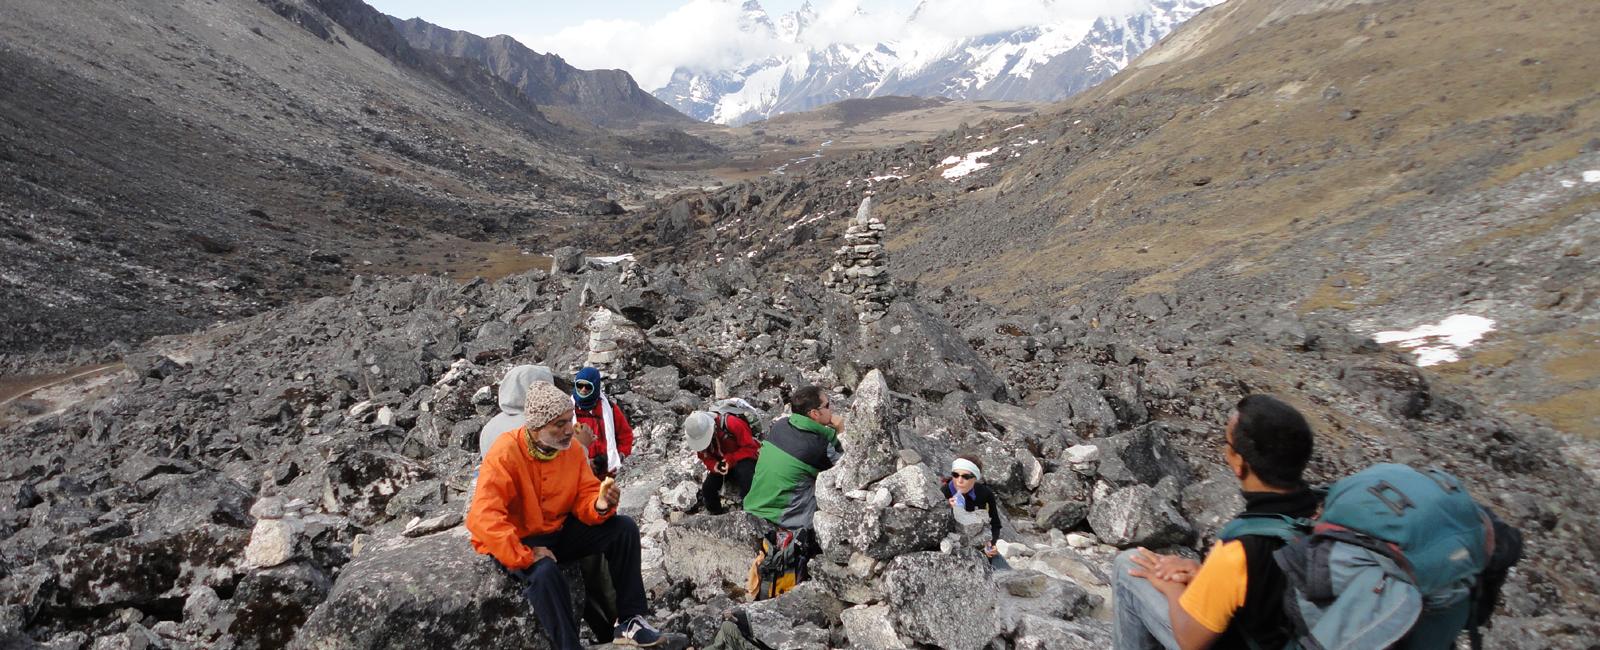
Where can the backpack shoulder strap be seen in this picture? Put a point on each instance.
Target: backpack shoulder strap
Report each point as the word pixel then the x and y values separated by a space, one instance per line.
pixel 1282 527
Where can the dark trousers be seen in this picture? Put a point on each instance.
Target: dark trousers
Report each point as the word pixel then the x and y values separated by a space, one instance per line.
pixel 546 589
pixel 739 476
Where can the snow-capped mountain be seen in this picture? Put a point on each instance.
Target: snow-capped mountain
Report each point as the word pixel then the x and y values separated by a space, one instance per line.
pixel 1041 63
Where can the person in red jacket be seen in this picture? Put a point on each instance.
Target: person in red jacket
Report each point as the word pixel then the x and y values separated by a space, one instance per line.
pixel 613 436
pixel 538 503
pixel 726 447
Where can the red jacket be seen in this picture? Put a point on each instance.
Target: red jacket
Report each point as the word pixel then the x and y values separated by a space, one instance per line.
pixel 732 443
pixel 597 424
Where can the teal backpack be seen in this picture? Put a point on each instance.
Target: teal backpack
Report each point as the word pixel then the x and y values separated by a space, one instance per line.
pixel 1398 558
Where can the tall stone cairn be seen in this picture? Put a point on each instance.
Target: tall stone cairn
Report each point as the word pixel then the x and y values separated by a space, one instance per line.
pixel 862 268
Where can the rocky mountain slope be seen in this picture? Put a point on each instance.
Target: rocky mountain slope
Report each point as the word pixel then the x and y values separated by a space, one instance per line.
pixel 1077 295
pixel 1275 151
pixel 606 97
pixel 1044 62
pixel 167 166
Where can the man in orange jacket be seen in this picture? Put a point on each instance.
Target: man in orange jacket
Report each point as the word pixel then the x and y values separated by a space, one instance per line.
pixel 538 501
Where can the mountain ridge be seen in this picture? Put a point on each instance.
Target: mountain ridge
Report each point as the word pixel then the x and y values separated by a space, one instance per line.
pixel 1032 63
pixel 606 97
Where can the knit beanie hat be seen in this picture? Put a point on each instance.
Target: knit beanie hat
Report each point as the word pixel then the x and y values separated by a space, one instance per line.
pixel 544 403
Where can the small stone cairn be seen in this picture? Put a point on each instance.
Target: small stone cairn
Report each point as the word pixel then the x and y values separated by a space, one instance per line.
pixel 603 348
pixel 862 269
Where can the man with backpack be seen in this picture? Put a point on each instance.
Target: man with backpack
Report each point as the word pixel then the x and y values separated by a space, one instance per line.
pixel 725 445
pixel 1234 599
pixel 783 490
pixel 1396 557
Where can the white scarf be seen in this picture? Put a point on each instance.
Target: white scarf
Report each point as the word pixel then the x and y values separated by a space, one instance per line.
pixel 613 457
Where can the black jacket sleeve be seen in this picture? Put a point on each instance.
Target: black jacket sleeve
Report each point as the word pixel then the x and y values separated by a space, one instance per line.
pixel 994 512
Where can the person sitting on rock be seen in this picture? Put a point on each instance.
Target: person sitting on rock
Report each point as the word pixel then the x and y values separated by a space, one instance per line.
pixel 783 490
pixel 513 388
pixel 968 496
pixel 613 436
pixel 1234 599
pixel 537 502
pixel 727 448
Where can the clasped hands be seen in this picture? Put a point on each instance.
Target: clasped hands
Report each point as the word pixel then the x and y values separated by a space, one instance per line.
pixel 1170 568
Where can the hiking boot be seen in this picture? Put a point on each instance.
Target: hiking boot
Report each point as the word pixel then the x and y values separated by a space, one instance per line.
pixel 636 632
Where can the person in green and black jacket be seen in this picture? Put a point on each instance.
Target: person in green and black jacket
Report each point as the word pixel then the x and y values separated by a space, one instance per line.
pixel 798 448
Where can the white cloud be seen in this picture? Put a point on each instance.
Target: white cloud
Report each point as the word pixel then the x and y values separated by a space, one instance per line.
pixel 705 35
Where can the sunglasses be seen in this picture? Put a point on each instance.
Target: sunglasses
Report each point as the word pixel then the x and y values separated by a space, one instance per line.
pixel 584 388
pixel 962 475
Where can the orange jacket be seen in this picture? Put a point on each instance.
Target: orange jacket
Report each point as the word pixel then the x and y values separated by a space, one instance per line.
pixel 519 496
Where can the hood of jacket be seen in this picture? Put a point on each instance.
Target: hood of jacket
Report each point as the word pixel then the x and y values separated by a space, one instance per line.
pixel 514 387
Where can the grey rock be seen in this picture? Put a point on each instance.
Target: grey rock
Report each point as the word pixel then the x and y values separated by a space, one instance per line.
pixel 1140 456
pixel 1211 503
pixel 659 384
pixel 797 619
pixel 1042 633
pixel 567 259
pixel 269 605
pixel 920 354
pixel 426 592
pixel 868 626
pixel 1139 515
pixel 942 600
pixel 1400 389
pixel 870 447
pixel 713 552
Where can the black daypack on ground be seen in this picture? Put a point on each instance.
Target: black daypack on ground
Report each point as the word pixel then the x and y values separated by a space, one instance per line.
pixel 783 562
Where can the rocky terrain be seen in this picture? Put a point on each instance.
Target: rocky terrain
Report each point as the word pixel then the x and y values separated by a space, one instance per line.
pixel 1077 295
pixel 164 167
pixel 298 478
pixel 1270 153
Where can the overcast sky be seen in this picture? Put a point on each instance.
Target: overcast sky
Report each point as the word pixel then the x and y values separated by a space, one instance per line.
pixel 651 38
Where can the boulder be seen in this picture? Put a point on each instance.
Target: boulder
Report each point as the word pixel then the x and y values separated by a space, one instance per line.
pixel 269 605
pixel 1044 633
pixel 868 626
pixel 942 600
pixel 659 384
pixel 800 618
pixel 432 591
pixel 1140 515
pixel 1027 592
pixel 1399 388
pixel 870 446
pixel 566 259
pixel 713 551
pixel 1211 503
pixel 901 514
pixel 1140 456
pixel 1023 427
pixel 919 354
pixel 272 542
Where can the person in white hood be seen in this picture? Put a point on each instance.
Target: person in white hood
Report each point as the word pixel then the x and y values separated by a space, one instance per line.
pixel 513 390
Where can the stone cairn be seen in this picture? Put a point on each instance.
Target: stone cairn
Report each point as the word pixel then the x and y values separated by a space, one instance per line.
pixel 862 269
pixel 603 348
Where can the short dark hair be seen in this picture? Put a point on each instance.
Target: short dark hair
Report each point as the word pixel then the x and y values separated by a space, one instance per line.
pixel 1274 440
pixel 805 399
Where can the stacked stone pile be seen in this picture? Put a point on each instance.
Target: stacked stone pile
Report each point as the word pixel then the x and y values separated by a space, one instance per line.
pixel 862 268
